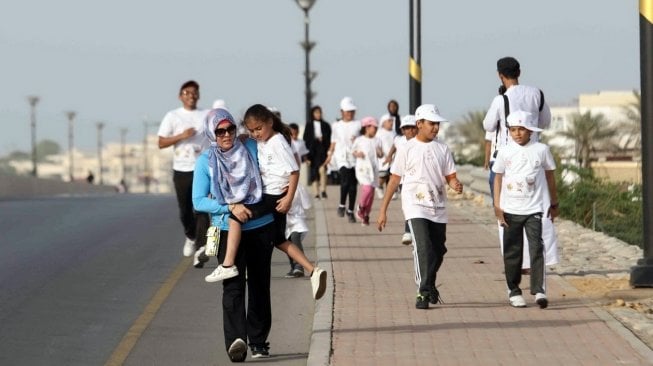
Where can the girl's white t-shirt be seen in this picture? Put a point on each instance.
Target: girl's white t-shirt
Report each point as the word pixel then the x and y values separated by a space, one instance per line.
pixel 276 161
pixel 387 139
pixel 423 167
pixel 524 186
pixel 367 168
pixel 343 135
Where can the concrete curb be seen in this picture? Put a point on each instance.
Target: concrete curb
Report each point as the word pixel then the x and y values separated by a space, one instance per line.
pixel 319 352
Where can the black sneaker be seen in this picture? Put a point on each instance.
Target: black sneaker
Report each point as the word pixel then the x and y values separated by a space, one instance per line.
pixel 422 302
pixel 434 297
pixel 324 195
pixel 350 217
pixel 261 350
pixel 341 211
pixel 237 351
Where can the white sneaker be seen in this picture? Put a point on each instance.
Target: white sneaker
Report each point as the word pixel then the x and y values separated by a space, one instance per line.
pixel 222 273
pixel 517 301
pixel 189 247
pixel 394 196
pixel 199 258
pixel 237 351
pixel 318 282
pixel 541 300
pixel 379 193
pixel 406 239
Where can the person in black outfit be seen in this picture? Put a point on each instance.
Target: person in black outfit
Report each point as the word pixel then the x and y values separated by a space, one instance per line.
pixel 317 136
pixel 393 110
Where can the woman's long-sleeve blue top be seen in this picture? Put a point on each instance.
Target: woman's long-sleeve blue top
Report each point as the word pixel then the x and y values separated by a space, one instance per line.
pixel 202 186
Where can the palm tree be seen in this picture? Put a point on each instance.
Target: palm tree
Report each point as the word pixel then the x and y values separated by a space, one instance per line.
pixel 632 126
pixel 588 131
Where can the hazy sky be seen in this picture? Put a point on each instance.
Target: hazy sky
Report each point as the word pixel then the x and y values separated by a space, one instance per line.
pixel 122 61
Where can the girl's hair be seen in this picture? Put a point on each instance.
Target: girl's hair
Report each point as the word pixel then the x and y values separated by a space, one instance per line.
pixel 259 112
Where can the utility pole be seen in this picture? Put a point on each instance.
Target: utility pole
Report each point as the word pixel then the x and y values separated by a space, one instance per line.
pixel 71 162
pixel 307 45
pixel 100 126
pixel 123 156
pixel 415 68
pixel 641 275
pixel 33 100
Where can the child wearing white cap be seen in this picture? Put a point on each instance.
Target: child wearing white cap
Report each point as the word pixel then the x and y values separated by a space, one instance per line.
pixel 343 134
pixel 524 191
pixel 367 150
pixel 386 135
pixel 426 166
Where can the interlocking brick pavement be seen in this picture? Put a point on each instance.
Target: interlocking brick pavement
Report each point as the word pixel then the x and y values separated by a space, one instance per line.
pixel 375 321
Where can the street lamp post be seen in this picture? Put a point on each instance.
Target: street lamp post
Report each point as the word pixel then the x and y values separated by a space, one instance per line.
pixel 123 138
pixel 33 100
pixel 415 68
pixel 100 126
pixel 71 161
pixel 307 45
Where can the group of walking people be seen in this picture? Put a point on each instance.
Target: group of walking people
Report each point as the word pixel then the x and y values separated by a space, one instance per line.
pixel 244 187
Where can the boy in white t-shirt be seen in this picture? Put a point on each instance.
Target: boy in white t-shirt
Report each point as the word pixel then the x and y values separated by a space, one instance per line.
pixel 183 128
pixel 524 174
pixel 426 166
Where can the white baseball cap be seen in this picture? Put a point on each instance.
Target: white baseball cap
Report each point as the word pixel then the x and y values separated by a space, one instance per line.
pixel 219 103
pixel 523 119
pixel 347 104
pixel 429 112
pixel 407 120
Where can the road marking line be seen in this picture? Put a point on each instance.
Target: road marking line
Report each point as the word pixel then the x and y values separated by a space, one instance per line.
pixel 141 323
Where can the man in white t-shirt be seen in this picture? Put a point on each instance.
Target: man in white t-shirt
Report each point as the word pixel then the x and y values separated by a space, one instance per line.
pixel 524 191
pixel 343 133
pixel 426 166
pixel 183 128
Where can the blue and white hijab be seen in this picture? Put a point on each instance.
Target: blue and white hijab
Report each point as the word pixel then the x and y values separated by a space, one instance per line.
pixel 236 176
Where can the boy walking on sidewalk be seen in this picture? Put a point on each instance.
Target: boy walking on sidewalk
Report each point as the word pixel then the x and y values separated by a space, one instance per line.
pixel 524 173
pixel 426 166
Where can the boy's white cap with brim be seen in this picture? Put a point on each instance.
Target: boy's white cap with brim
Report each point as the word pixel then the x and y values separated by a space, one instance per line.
pixel 347 104
pixel 429 112
pixel 523 119
pixel 407 120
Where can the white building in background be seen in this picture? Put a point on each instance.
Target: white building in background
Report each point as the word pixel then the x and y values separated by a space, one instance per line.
pixel 624 165
pixel 153 167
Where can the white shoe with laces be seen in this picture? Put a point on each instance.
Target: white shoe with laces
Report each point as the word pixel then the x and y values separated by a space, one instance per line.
pixel 222 273
pixel 517 301
pixel 189 247
pixel 406 239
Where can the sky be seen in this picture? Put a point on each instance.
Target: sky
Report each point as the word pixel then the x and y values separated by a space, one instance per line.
pixel 122 62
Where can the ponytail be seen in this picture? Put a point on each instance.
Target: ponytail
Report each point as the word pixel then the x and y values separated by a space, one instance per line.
pixel 260 112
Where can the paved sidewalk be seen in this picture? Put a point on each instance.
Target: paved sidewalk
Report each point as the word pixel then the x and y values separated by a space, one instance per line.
pixel 371 305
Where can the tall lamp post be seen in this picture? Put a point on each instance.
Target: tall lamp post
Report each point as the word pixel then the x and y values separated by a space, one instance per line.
pixel 71 161
pixel 415 68
pixel 100 126
pixel 307 45
pixel 33 100
pixel 123 139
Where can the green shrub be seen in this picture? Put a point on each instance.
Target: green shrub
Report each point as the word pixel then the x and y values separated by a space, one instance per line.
pixel 612 208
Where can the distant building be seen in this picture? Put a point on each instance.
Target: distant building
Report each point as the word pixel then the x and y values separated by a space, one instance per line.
pixel 149 172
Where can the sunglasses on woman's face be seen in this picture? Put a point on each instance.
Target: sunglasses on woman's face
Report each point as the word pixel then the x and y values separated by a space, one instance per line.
pixel 220 132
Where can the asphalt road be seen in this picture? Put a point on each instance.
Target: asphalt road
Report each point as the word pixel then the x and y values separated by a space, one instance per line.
pixel 81 277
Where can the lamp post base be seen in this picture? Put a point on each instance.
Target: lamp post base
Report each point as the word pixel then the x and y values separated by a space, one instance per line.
pixel 641 275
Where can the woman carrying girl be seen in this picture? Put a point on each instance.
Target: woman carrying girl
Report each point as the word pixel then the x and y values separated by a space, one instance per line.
pixel 280 176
